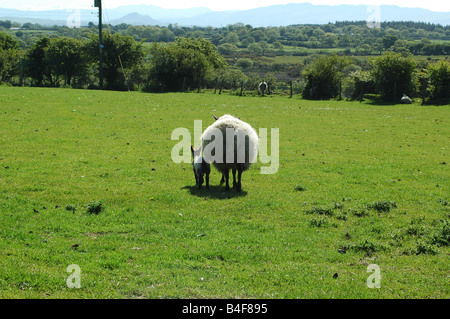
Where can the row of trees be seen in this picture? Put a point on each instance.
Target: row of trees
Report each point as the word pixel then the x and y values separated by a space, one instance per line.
pixel 391 76
pixel 196 63
pixel 355 35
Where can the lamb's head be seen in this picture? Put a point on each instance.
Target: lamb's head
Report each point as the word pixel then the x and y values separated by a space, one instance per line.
pixel 196 153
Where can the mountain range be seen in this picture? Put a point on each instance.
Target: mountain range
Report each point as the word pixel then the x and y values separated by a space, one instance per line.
pixel 275 15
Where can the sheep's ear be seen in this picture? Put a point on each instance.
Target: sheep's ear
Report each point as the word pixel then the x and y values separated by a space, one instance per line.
pixel 215 117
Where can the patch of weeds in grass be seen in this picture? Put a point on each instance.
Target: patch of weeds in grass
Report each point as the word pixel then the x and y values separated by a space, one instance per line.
pixel 320 211
pixel 319 222
pixel 382 206
pixel 71 208
pixel 300 188
pixel 94 207
pixel 341 216
pixel 416 230
pixel 443 202
pixel 366 246
pixel 441 235
pixel 360 213
pixel 424 247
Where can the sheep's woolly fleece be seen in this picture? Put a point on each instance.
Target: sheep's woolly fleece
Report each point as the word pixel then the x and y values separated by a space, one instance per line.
pixel 240 128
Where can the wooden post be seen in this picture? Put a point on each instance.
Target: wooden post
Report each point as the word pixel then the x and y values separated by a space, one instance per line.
pixel 199 85
pixel 21 72
pixel 395 91
pixel 242 87
pixel 290 82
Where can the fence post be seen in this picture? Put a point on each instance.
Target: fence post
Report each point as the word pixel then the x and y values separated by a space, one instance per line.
pixel 242 87
pixel 199 85
pixel 290 83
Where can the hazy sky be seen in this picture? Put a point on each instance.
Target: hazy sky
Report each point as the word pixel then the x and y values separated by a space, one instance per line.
pixel 434 5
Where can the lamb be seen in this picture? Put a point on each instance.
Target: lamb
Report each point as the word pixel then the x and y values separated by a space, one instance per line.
pixel 201 167
pixel 262 87
pixel 405 99
pixel 236 152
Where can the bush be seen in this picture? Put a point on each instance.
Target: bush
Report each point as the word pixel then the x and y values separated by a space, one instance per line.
pixel 439 80
pixel 324 77
pixel 394 75
pixel 190 60
pixel 244 63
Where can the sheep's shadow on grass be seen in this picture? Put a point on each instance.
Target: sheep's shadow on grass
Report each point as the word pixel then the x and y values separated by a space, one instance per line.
pixel 214 191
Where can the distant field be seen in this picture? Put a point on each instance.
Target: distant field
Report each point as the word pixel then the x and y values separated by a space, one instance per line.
pixel 358 184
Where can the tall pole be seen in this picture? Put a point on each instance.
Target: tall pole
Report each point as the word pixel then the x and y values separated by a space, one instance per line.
pixel 98 4
pixel 100 36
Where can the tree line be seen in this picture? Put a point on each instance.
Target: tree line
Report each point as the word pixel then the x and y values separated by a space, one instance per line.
pixel 415 37
pixel 195 63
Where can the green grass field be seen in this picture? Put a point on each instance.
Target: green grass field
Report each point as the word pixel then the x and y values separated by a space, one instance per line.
pixel 358 184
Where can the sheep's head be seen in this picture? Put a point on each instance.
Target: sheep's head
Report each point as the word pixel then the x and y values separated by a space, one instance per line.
pixel 216 118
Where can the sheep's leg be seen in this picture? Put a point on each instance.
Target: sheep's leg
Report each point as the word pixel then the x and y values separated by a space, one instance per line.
pixel 207 180
pixel 200 181
pixel 239 180
pixel 223 179
pixel 196 179
pixel 227 177
pixel 234 178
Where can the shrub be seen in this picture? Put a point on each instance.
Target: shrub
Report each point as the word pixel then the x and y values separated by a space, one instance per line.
pixel 439 80
pixel 394 75
pixel 244 63
pixel 324 77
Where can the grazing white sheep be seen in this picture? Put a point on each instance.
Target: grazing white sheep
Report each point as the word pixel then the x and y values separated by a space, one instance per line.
pixel 405 99
pixel 201 167
pixel 262 87
pixel 234 146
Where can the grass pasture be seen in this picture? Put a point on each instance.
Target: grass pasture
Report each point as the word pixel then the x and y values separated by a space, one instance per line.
pixel 358 184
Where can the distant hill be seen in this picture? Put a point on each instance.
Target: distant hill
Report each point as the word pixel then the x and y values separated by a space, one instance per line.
pixel 276 15
pixel 306 13
pixel 135 19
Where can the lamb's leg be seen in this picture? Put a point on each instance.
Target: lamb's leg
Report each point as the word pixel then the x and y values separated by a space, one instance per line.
pixel 227 176
pixel 223 179
pixel 234 178
pixel 207 180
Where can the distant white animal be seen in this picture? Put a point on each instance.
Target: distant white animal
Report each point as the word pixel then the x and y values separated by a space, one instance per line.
pixel 262 87
pixel 405 99
pixel 237 141
pixel 201 168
